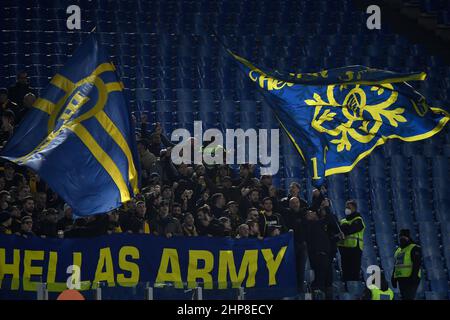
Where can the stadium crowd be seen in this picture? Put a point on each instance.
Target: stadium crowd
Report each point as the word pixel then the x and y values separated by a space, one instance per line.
pixel 175 200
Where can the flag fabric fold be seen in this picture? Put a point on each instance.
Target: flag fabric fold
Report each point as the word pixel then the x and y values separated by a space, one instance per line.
pixel 337 117
pixel 79 136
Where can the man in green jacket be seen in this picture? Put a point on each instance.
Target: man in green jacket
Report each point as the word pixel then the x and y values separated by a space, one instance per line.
pixel 407 266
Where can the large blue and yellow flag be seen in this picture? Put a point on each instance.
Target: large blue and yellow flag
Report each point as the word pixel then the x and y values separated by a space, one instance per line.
pixel 79 136
pixel 337 117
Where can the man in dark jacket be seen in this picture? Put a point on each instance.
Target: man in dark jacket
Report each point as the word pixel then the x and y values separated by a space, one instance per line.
pixel 407 266
pixel 28 100
pixel 134 221
pixel 49 224
pixel 266 182
pixel 218 205
pixel 295 218
pixel 267 218
pixel 5 222
pixel 296 211
pixel 20 89
pixel 26 227
pixel 207 225
pixel 232 212
pixel 317 235
pixel 67 220
pixel 86 227
pixel 5 103
pixel 164 224
pixel 16 217
pixel 250 199
pixel 229 191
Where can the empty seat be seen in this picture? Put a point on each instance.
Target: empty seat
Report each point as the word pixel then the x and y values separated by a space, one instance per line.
pixel 185 106
pixel 164 106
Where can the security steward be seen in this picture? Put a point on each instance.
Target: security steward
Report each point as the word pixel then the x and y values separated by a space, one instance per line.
pixel 381 293
pixel 407 265
pixel 351 245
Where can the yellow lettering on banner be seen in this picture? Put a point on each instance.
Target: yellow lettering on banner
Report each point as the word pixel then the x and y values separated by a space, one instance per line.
pixel 52 285
pixel 29 270
pixel 263 79
pixel 273 265
pixel 170 256
pixel 77 259
pixel 104 262
pixel 10 268
pixel 316 174
pixel 75 103
pixel 204 273
pixel 129 266
pixel 249 266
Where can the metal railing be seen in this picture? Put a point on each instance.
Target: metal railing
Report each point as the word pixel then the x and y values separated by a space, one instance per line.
pixel 145 291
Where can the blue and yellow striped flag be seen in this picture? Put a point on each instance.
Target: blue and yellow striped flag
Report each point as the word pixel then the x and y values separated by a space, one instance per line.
pixel 79 136
pixel 337 117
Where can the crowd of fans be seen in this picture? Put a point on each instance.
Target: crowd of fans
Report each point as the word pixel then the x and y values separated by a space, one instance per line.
pixel 175 200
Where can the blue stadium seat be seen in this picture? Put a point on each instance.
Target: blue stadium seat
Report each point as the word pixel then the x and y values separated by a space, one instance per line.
pixel 358 182
pixel 164 106
pixel 248 120
pixel 185 117
pixel 209 117
pixel 205 95
pixel 247 106
pixel 228 106
pixel 355 288
pixel 431 295
pixel 143 94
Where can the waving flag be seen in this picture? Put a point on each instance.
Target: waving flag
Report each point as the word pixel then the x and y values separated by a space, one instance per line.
pixel 79 136
pixel 337 117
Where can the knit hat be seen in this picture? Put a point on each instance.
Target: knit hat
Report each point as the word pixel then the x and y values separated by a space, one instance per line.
pixel 404 233
pixel 231 203
pixel 26 219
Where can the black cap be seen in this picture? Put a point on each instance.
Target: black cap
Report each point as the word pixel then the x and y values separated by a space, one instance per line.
pixel 3 91
pixel 154 175
pixel 404 233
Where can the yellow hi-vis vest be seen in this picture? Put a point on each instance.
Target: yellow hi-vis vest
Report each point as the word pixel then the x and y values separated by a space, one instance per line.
pixel 378 294
pixel 403 263
pixel 355 239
